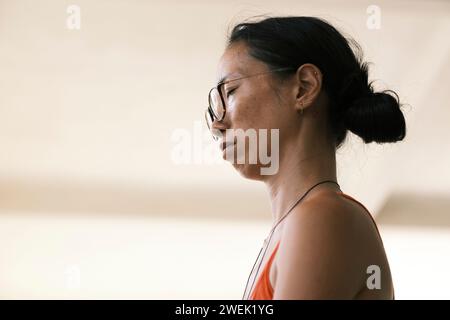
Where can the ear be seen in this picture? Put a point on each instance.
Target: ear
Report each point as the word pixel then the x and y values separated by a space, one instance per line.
pixel 308 83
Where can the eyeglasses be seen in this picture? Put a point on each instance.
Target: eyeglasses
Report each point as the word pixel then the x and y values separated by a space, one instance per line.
pixel 216 109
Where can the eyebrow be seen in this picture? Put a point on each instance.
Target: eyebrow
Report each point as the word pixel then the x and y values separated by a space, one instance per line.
pixel 224 78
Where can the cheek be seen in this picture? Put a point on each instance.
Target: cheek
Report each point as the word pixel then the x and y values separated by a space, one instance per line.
pixel 257 112
pixel 254 111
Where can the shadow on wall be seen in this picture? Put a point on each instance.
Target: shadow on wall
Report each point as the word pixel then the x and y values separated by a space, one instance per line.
pixel 415 210
pixel 62 196
pixel 399 210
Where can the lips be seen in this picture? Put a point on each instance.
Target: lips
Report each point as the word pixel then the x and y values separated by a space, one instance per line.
pixel 225 145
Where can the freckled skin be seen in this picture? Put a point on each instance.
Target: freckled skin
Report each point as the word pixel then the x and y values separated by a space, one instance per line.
pixel 254 104
pixel 327 242
pixel 306 147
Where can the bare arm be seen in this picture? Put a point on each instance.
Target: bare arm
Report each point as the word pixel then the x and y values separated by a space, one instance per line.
pixel 321 254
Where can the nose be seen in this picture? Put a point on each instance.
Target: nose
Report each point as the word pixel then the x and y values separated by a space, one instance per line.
pixel 218 128
pixel 218 125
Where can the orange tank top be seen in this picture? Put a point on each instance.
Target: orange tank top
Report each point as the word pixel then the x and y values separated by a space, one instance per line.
pixel 263 289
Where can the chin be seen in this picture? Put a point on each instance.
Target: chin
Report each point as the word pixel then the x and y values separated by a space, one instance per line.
pixel 249 171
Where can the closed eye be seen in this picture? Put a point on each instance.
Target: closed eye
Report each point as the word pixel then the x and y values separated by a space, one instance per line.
pixel 230 92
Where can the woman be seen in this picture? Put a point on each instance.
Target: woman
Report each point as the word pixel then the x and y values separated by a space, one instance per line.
pixel 300 75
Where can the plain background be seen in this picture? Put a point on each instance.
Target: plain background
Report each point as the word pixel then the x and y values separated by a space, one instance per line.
pixel 92 203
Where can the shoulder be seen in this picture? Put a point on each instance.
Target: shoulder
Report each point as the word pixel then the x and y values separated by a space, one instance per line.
pixel 322 250
pixel 329 213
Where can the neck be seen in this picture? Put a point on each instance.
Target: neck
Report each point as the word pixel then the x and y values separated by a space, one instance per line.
pixel 299 170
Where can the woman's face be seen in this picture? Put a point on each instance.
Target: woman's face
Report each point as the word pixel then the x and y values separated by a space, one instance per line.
pixel 252 104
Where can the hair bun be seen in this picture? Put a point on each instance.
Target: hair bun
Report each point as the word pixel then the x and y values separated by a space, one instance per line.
pixel 376 117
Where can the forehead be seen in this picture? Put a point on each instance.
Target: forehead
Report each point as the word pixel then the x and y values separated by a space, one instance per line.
pixel 236 62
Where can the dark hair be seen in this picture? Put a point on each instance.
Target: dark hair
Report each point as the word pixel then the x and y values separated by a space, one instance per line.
pixel 293 41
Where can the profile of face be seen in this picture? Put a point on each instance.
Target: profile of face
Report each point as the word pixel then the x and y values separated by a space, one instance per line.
pixel 256 100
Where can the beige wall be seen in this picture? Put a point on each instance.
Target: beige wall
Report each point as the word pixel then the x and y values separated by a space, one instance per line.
pixel 86 116
pixel 100 104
